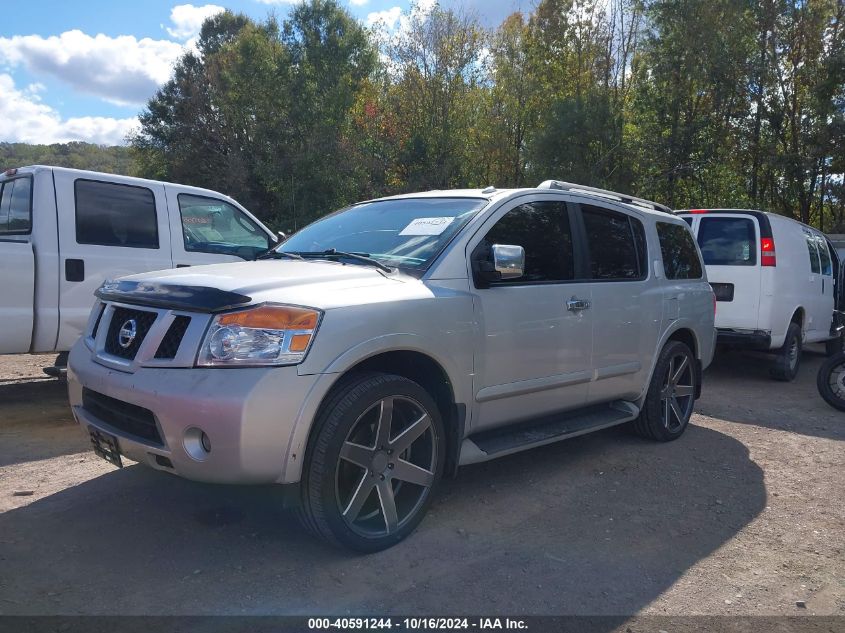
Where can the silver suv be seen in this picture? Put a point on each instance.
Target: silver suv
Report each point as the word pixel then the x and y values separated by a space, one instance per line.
pixel 391 342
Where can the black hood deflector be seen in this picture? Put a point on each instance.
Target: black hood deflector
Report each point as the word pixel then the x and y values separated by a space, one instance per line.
pixel 157 295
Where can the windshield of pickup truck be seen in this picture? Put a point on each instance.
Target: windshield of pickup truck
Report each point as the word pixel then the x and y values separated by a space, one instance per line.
pixel 406 233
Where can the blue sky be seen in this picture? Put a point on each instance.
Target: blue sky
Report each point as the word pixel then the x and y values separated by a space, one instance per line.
pixel 83 70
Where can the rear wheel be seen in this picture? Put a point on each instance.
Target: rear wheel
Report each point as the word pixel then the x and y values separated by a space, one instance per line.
pixel 831 381
pixel 671 396
pixel 374 462
pixel 788 359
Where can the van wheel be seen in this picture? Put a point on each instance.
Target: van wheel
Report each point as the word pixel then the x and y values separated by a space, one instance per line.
pixel 373 464
pixel 830 381
pixel 785 366
pixel 671 395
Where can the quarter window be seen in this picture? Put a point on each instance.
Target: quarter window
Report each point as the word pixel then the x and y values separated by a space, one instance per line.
pixel 210 225
pixel 113 214
pixel 16 206
pixel 680 257
pixel 542 229
pixel 728 241
pixel 616 244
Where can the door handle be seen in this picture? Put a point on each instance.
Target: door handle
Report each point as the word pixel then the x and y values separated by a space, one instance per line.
pixel 576 305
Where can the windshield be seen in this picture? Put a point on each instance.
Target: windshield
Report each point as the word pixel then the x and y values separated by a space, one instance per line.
pixel 408 232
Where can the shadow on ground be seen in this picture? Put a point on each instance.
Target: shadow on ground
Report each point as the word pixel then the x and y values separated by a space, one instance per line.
pixel 601 524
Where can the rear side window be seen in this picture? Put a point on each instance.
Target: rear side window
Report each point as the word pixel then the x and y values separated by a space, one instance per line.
pixel 112 214
pixel 542 229
pixel 680 258
pixel 814 253
pixel 728 241
pixel 824 256
pixel 210 225
pixel 16 206
pixel 616 242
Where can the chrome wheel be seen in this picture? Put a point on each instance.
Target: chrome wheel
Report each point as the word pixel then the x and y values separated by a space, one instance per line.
pixel 386 466
pixel 836 380
pixel 677 397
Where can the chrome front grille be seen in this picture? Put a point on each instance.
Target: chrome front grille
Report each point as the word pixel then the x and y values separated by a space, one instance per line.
pixel 127 331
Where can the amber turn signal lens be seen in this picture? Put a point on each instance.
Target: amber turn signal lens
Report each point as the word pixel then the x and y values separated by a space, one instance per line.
pixel 273 318
pixel 299 342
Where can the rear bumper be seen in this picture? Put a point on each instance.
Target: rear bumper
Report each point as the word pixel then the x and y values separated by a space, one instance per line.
pixel 745 339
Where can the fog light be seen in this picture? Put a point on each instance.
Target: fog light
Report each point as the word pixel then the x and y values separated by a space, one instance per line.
pixel 197 444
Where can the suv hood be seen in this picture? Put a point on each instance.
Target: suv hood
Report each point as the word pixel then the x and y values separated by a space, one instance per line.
pixel 314 283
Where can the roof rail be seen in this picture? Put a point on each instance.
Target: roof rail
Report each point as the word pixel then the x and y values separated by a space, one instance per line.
pixel 613 195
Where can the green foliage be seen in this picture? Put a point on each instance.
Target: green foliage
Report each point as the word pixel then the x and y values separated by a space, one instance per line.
pixel 734 103
pixel 113 160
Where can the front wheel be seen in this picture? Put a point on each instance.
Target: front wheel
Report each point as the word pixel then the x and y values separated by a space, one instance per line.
pixel 671 395
pixel 788 358
pixel 830 381
pixel 377 455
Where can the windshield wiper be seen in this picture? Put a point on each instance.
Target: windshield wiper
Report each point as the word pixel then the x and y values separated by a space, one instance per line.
pixel 364 258
pixel 274 254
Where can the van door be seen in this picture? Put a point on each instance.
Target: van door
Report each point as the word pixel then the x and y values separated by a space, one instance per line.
pixel 107 229
pixel 820 288
pixel 729 247
pixel 210 230
pixel 536 330
pixel 17 265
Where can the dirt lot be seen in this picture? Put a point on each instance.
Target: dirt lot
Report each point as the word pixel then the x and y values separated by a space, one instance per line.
pixel 743 515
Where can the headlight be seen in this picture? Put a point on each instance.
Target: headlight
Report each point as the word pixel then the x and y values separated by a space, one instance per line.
pixel 264 335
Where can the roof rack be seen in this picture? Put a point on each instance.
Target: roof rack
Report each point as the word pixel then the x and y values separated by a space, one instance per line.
pixel 613 195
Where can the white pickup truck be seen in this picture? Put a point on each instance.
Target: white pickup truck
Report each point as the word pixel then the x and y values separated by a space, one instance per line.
pixel 64 231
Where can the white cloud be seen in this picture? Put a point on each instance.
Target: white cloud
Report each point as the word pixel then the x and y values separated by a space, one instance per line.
pixel 358 3
pixel 187 19
pixel 387 18
pixel 122 69
pixel 24 118
pixel 279 1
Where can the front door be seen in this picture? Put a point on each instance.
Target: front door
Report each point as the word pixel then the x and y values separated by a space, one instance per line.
pixel 107 229
pixel 536 334
pixel 17 263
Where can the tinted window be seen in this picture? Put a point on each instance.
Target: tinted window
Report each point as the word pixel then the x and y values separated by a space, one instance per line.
pixel 542 229
pixel 214 226
pixel 688 220
pixel 613 245
pixel 111 214
pixel 728 241
pixel 405 232
pixel 824 256
pixel 680 258
pixel 814 253
pixel 16 206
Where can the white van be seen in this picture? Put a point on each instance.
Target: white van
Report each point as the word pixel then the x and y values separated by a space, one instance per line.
pixel 776 282
pixel 64 231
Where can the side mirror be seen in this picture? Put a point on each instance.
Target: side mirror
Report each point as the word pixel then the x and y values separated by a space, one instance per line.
pixel 280 237
pixel 508 261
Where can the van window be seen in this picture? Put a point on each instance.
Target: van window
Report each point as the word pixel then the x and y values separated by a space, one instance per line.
pixel 612 242
pixel 680 257
pixel 824 256
pixel 542 229
pixel 728 241
pixel 210 225
pixel 814 253
pixel 114 214
pixel 16 206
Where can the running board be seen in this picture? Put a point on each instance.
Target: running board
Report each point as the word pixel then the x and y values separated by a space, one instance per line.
pixel 531 433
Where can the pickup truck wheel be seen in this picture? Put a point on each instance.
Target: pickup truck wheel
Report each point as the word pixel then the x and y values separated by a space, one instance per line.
pixel 785 365
pixel 671 395
pixel 377 455
pixel 830 381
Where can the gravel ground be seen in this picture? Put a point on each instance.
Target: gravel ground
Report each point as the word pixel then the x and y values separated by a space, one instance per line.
pixel 744 515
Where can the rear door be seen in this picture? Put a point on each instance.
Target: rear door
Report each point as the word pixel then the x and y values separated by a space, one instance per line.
pixel 729 245
pixel 820 287
pixel 107 229
pixel 208 230
pixel 17 265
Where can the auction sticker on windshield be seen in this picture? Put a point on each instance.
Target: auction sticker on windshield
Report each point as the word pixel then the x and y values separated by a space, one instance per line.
pixel 427 226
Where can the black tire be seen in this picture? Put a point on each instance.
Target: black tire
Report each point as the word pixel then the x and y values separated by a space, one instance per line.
pixel 833 346
pixel 671 395
pixel 373 507
pixel 788 358
pixel 830 381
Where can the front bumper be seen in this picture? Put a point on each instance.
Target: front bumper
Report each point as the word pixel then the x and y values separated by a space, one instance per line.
pixel 249 415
